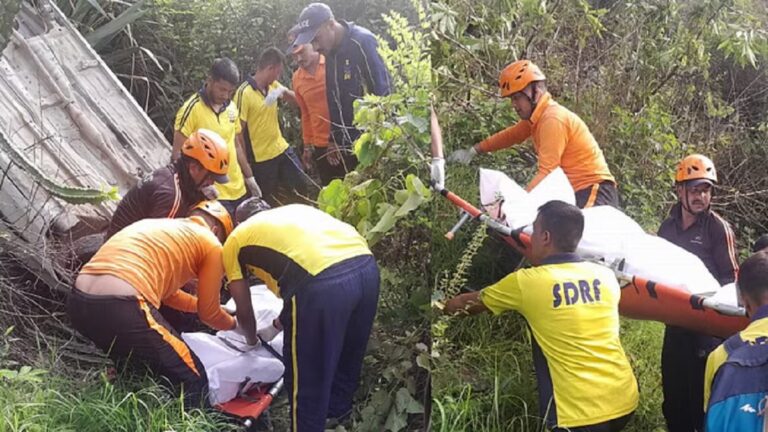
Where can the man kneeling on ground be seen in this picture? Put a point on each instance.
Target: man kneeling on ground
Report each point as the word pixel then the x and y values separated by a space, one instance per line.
pixel 117 294
pixel 585 381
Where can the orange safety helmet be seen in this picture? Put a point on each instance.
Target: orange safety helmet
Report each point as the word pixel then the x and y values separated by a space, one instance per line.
pixel 696 167
pixel 210 149
pixel 516 76
pixel 216 210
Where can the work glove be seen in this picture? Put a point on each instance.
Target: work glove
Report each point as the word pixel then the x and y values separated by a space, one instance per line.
pixel 274 95
pixel 253 187
pixel 269 332
pixel 438 172
pixel 463 156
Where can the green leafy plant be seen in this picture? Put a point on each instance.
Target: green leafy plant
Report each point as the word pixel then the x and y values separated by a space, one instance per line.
pixel 395 128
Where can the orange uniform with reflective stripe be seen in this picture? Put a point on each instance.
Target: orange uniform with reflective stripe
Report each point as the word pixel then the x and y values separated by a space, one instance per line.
pixel 561 139
pixel 313 103
pixel 158 256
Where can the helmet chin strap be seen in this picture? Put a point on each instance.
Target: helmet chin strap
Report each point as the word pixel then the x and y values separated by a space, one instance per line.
pixel 534 86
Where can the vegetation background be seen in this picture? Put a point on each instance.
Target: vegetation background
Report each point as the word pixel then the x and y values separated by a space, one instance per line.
pixel 654 80
pixel 52 379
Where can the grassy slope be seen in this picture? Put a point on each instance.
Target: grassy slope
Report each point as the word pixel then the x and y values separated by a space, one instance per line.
pixel 64 396
pixel 496 389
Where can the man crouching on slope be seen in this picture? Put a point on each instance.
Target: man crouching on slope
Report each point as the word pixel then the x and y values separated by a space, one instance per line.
pixel 117 294
pixel 585 381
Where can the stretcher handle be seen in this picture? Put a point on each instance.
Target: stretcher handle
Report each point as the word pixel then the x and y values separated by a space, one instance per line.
pixel 517 235
pixel 262 404
pixel 464 218
pixel 722 308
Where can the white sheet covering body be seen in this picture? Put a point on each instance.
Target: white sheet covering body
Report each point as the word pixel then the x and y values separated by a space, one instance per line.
pixel 227 368
pixel 609 234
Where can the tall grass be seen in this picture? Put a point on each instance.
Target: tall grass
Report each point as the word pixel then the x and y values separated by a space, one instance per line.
pixel 55 402
pixel 486 381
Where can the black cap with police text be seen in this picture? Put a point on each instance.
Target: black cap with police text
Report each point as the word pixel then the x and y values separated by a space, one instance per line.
pixel 310 20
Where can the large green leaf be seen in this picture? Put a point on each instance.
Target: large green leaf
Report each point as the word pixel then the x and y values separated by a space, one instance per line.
pixel 101 36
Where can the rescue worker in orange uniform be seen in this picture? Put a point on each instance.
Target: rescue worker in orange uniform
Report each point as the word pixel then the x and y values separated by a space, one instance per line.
pixel 116 296
pixel 560 137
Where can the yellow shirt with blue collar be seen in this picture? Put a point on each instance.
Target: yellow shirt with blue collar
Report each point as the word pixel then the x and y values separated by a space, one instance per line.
pixel 263 134
pixel 197 113
pixel 583 374
pixel 287 245
pixel 756 333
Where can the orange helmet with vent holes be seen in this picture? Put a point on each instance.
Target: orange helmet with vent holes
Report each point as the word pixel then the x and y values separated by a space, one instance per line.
pixel 217 210
pixel 696 167
pixel 516 76
pixel 210 149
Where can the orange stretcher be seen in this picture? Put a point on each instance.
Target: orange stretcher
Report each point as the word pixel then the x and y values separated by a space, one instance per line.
pixel 250 405
pixel 640 298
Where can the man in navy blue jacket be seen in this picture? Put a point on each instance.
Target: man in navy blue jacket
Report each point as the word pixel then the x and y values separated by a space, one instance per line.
pixel 353 68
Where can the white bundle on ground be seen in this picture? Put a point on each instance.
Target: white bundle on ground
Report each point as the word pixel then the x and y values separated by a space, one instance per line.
pixel 609 235
pixel 229 370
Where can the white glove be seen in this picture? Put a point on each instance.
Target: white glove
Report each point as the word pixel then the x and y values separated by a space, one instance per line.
pixel 253 187
pixel 268 333
pixel 438 172
pixel 463 156
pixel 274 95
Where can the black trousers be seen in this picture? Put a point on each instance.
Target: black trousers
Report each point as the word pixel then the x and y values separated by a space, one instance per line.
pixel 683 361
pixel 328 172
pixel 133 332
pixel 614 425
pixel 604 193
pixel 281 179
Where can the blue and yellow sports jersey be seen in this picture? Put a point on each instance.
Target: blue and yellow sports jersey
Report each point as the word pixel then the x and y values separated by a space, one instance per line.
pixel 756 333
pixel 287 245
pixel 571 306
pixel 263 134
pixel 196 113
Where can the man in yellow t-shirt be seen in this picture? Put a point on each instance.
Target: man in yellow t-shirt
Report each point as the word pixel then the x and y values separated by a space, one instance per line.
pixel 329 282
pixel 584 378
pixel 274 166
pixel 211 108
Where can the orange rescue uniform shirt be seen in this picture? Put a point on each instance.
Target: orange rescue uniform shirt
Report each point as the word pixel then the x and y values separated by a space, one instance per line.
pixel 560 139
pixel 158 256
pixel 311 97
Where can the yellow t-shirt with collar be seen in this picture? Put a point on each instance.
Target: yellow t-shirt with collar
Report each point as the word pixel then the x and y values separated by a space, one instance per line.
pixel 196 113
pixel 264 135
pixel 286 245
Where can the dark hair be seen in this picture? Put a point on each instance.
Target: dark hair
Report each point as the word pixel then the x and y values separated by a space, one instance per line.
pixel 270 57
pixel 753 277
pixel 225 69
pixel 188 188
pixel 564 222
pixel 248 208
pixel 760 244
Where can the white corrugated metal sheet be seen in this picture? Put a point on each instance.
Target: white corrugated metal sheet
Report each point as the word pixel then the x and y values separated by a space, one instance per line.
pixel 63 110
